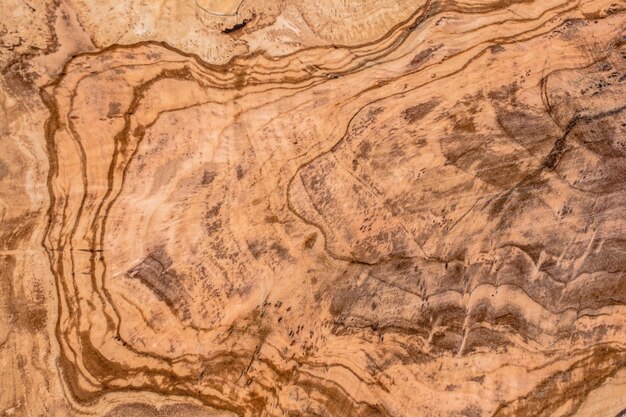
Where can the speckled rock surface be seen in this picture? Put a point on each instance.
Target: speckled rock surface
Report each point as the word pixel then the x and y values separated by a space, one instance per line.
pixel 313 208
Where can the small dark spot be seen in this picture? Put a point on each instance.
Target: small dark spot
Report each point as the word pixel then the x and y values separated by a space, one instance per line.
pixel 424 55
pixel 415 113
pixel 236 27
pixel 4 170
pixel 37 319
pixel 208 177
pixel 114 109
pixel 465 125
pixel 214 211
pixel 280 250
pixel 310 241
pixel 479 379
pixel 364 149
pixel 505 93
pixel 271 219
pixel 471 411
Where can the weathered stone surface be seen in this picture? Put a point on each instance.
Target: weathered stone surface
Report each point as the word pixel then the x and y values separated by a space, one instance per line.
pixel 329 208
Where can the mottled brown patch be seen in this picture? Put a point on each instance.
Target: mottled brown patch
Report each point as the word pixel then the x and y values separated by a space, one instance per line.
pixel 424 56
pixel 415 113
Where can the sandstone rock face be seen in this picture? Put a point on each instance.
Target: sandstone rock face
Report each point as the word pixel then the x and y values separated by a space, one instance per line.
pixel 313 208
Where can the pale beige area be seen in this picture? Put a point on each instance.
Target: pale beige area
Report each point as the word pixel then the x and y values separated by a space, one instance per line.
pixel 328 208
pixel 220 7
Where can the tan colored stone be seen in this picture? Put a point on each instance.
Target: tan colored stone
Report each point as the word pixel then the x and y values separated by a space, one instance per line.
pixel 329 208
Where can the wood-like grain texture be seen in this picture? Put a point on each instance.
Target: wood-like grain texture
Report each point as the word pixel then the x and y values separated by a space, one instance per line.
pixel 313 208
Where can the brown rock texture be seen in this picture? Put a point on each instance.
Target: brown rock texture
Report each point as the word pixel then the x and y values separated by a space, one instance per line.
pixel 313 208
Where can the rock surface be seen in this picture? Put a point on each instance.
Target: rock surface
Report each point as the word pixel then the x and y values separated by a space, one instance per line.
pixel 313 208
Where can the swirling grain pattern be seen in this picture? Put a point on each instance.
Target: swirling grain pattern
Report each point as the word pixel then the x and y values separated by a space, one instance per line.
pixel 313 208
